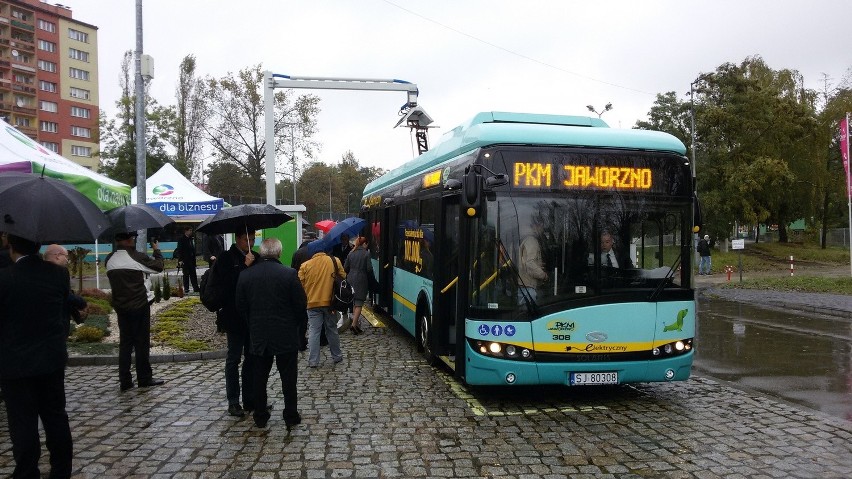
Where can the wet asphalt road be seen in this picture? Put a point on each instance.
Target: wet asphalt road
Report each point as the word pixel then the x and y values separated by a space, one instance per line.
pixel 784 350
pixel 383 412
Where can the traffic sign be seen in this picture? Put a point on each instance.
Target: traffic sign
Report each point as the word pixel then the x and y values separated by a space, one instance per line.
pixel 738 244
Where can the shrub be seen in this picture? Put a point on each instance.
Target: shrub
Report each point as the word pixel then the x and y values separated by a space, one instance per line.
pixel 98 321
pixel 87 334
pixel 158 293
pixel 167 288
pixel 98 307
pixel 96 293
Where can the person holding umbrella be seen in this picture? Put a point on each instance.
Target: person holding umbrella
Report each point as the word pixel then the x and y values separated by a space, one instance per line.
pixel 34 315
pixel 33 353
pixel 128 271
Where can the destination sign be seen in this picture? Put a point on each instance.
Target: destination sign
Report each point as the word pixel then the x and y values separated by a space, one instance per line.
pixel 536 175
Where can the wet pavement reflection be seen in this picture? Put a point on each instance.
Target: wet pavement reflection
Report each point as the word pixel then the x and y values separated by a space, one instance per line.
pixel 797 358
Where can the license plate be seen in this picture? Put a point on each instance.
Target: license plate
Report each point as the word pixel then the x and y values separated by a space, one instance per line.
pixel 592 379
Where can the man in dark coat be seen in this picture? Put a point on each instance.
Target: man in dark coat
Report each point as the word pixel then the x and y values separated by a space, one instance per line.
pixel 186 254
pixel 223 280
pixel 214 245
pixel 271 300
pixel 33 324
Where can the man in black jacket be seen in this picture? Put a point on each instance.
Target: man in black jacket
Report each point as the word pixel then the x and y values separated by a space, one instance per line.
pixel 271 300
pixel 223 281
pixel 186 253
pixel 128 271
pixel 213 246
pixel 33 324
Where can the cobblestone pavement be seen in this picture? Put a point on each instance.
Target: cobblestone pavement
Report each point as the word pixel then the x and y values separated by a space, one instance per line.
pixel 383 413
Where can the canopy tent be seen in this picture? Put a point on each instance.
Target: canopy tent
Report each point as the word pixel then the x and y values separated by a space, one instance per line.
pixel 20 153
pixel 176 196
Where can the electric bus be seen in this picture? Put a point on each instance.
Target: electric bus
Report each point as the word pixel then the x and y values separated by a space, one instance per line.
pixel 541 249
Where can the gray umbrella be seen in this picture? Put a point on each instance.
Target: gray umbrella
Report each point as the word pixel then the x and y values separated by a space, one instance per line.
pixel 244 218
pixel 47 210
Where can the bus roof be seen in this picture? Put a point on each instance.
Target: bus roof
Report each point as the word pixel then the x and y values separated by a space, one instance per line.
pixel 504 128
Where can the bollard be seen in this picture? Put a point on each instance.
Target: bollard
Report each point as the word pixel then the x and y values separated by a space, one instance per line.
pixel 729 270
pixel 791 265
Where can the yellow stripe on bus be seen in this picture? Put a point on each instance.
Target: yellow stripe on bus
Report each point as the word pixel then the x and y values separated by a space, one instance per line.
pixel 408 304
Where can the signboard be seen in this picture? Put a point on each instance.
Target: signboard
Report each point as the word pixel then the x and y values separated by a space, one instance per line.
pixel 738 244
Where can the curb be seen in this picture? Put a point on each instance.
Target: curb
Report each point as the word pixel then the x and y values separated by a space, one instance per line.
pixel 100 360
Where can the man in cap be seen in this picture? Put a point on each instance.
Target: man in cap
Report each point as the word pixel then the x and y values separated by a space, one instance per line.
pixel 128 271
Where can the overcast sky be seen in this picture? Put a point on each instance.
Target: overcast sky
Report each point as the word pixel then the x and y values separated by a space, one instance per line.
pixel 468 56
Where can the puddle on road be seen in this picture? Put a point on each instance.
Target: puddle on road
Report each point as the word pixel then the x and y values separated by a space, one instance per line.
pixel 801 359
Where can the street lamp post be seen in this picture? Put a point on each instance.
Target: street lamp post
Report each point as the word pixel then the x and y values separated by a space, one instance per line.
pixel 606 108
pixel 347 203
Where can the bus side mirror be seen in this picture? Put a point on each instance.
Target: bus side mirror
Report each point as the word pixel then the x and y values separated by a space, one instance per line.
pixel 471 198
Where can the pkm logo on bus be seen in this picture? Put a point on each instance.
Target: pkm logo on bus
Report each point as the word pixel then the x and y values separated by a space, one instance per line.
pixel 560 329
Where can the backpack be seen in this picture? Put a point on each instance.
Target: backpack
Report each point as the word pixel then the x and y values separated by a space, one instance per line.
pixel 208 296
pixel 342 293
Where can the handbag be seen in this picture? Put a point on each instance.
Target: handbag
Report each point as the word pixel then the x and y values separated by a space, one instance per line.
pixel 342 293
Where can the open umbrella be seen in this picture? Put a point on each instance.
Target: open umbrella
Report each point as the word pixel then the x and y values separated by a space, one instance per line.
pixel 136 217
pixel 46 210
pixel 349 226
pixel 325 225
pixel 243 218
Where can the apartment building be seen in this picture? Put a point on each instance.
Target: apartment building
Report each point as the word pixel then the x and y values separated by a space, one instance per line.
pixel 49 77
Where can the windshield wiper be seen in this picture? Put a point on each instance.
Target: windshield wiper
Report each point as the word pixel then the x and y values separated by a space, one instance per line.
pixel 665 280
pixel 532 306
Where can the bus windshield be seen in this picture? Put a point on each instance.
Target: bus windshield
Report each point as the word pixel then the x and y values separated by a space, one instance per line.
pixel 534 251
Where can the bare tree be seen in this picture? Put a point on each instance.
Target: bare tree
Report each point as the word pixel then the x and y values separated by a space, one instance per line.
pixel 191 118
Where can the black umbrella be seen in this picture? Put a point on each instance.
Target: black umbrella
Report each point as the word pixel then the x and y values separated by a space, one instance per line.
pixel 243 218
pixel 47 210
pixel 136 217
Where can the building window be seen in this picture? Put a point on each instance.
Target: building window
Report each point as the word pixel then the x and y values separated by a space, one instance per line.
pixel 80 131
pixel 54 147
pixel 78 54
pixel 78 35
pixel 78 93
pixel 78 74
pixel 80 112
pixel 21 58
pixel 81 151
pixel 20 15
pixel 47 26
pixel 47 66
pixel 48 106
pixel 20 78
pixel 46 46
pixel 22 121
pixel 47 86
pixel 49 126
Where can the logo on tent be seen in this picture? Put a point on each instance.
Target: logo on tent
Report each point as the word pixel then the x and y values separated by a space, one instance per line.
pixel 163 190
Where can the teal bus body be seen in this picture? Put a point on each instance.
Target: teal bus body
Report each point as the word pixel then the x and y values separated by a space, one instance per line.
pixel 502 276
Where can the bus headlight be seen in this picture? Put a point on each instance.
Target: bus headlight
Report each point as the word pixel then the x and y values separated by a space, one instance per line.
pixel 674 348
pixel 499 350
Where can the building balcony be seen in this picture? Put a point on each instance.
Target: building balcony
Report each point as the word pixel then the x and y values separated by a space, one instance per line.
pixel 25 110
pixel 22 25
pixel 24 88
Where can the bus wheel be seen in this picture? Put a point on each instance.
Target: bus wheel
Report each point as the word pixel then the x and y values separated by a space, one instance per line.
pixel 425 336
pixel 344 320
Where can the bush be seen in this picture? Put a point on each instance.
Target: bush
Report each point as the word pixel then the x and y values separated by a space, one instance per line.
pixel 98 307
pixel 87 334
pixel 98 321
pixel 167 288
pixel 96 293
pixel 158 292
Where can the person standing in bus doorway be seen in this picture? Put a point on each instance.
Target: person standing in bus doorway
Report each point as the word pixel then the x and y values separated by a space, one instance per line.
pixel 704 251
pixel 357 267
pixel 186 247
pixel 317 277
pixel 531 265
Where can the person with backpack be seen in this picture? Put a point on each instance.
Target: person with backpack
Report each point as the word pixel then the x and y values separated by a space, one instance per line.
pixel 318 277
pixel 220 294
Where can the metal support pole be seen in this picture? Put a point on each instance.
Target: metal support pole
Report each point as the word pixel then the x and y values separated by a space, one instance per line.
pixel 269 106
pixel 141 170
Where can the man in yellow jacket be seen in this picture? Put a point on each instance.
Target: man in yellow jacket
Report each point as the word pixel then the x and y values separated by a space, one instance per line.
pixel 317 277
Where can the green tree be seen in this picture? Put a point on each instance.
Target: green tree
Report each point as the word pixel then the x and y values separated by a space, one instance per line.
pixel 191 116
pixel 832 210
pixel 236 122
